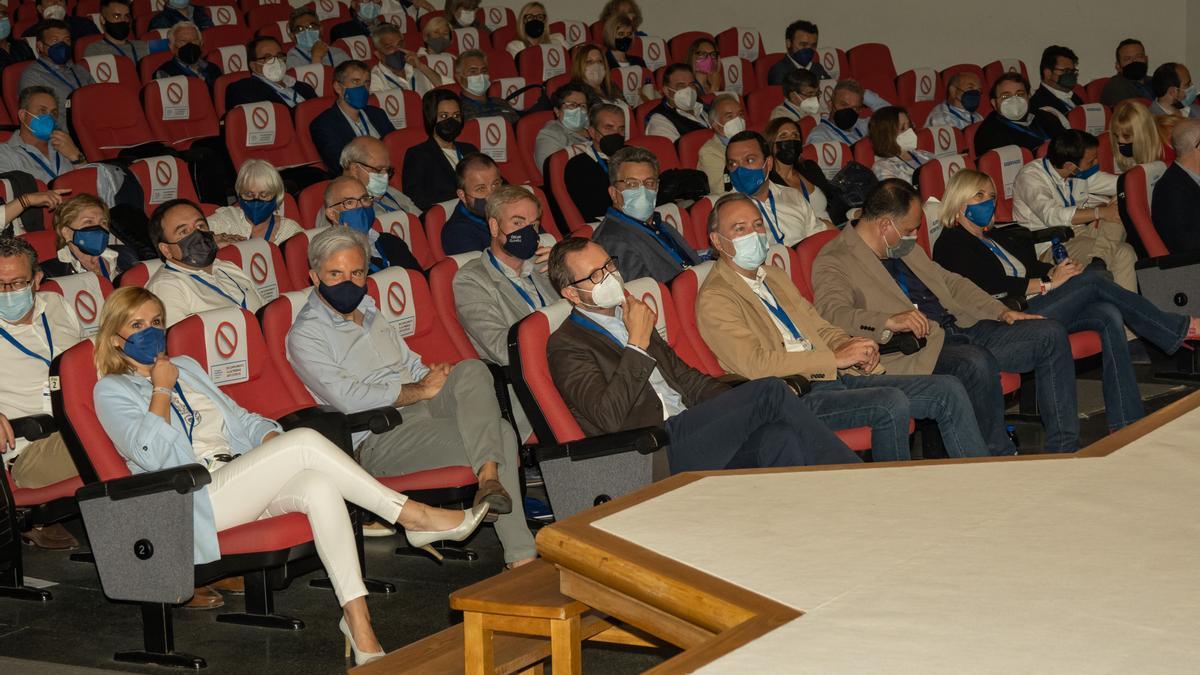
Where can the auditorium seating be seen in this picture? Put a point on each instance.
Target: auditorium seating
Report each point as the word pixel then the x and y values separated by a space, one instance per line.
pixel 114 120
pixel 263 131
pixel 494 137
pixel 1002 165
pixel 262 261
pixel 162 178
pixel 935 173
pixel 180 112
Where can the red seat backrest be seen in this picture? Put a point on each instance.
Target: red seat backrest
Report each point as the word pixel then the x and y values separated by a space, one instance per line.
pixel 44 242
pixel 441 287
pixel 1105 153
pixel 112 69
pixel 404 301
pixel 684 288
pixel 263 131
pixel 762 67
pixel 85 293
pixel 540 63
pixel 295 258
pixel 679 45
pixel 305 113
pixel 226 36
pixel 179 111
pixel 739 75
pixel 78 181
pixel 864 152
pixel 494 136
pixel 75 414
pixel 558 188
pixel 662 148
pixel 689 147
pixel 10 81
pixel 163 178
pixel 745 42
pixel 398 142
pixel 108 119
pixel 806 255
pixel 139 274
pixel 435 222
pixel 230 58
pixel 935 173
pixel 699 213
pixel 1093 89
pixel 1090 117
pixel 357 47
pixel 969 137
pixel 957 68
pixel 312 203
pixel 152 62
pixel 828 156
pixel 574 32
pixel 1002 165
pixel 999 67
pixel 919 85
pixel 221 86
pixel 760 103
pixel 1139 193
pixel 695 234
pixel 527 131
pixel 873 67
pixel 277 319
pixel 317 76
pixel 408 227
pixel 786 259
pixel 942 140
pixel 918 112
pixel 403 108
pixel 262 261
pixel 835 62
pixel 656 295
pixel 530 369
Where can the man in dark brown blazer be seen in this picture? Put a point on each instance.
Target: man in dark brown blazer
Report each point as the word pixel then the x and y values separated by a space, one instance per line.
pixel 615 373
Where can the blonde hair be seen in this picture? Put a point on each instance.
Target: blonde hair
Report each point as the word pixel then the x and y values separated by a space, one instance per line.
pixel 116 312
pixel 260 173
pixel 579 64
pixel 612 7
pixel 961 187
pixel 67 212
pixel 509 194
pixel 1134 118
pixel 528 8
pixel 610 29
pixel 434 24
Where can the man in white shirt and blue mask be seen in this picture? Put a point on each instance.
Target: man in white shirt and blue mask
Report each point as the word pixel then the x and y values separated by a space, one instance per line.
pixel 959 110
pixel 844 125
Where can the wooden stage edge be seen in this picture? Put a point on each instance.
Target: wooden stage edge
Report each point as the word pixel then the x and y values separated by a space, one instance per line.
pixel 705 616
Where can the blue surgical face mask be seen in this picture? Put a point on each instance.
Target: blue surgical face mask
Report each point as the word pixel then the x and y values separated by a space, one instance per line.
pixel 638 203
pixel 369 11
pixel 305 39
pixel 145 345
pixel 14 305
pixel 41 126
pixel 804 56
pixel 91 240
pixel 747 180
pixel 257 210
pixel 574 119
pixel 59 52
pixel 1189 95
pixel 5 28
pixel 179 4
pixel 749 250
pixel 981 214
pixel 357 96
pixel 971 100
pixel 1084 175
pixel 358 219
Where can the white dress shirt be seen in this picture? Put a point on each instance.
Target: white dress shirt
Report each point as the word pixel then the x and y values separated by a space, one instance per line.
pixel 1042 198
pixel 187 292
pixel 946 115
pixel 790 216
pixel 384 78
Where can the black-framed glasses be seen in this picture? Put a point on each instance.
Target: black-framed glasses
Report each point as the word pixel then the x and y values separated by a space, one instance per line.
pixel 633 183
pixel 598 274
pixel 352 203
pixel 377 169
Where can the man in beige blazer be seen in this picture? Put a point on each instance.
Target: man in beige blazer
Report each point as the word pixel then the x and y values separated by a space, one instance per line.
pixel 758 325
pixel 874 281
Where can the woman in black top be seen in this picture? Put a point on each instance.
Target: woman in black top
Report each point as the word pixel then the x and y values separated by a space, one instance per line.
pixel 1081 300
pixel 428 174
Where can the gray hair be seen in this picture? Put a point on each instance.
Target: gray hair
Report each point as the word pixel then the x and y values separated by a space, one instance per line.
pixel 509 194
pixel 259 173
pixel 714 220
pixel 174 30
pixel 469 54
pixel 333 239
pixel 383 30
pixel 12 247
pixel 29 92
pixel 1185 137
pixel 600 108
pixel 630 154
pixel 851 86
pixel 354 153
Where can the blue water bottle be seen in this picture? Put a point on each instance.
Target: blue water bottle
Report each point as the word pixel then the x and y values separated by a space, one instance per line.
pixel 1059 251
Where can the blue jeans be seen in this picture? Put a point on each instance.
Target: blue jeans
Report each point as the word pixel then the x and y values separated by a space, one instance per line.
pixel 1091 302
pixel 887 402
pixel 976 355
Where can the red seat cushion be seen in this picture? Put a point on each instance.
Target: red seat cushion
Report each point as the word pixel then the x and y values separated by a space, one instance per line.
pixel 431 479
pixel 857 439
pixel 270 534
pixel 1084 344
pixel 29 497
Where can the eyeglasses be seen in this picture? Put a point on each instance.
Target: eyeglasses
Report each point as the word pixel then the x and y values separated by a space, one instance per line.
pixel 536 17
pixel 269 58
pixel 352 203
pixel 598 274
pixel 703 54
pixel 377 169
pixel 573 106
pixel 1019 94
pixel 305 29
pixel 15 285
pixel 633 184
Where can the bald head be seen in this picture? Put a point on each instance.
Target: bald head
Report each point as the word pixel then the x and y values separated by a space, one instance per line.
pixel 342 194
pixel 1184 139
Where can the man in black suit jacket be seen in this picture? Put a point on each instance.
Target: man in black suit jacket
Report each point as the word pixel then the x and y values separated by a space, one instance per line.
pixel 187 45
pixel 350 117
pixel 364 16
pixel 269 83
pixel 586 174
pixel 1177 193
pixel 80 25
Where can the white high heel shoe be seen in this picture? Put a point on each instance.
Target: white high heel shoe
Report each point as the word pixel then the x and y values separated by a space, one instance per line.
pixel 360 657
pixel 471 519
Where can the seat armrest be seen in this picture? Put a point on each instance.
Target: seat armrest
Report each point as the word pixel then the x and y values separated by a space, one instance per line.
pixel 1169 261
pixel 732 379
pixel 181 479
pixel 33 427
pixel 1060 232
pixel 645 440
pixel 376 420
pixel 326 420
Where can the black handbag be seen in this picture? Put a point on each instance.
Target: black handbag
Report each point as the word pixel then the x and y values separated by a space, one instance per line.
pixel 853 183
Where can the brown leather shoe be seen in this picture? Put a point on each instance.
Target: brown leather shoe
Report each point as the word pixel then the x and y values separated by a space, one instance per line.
pixel 205 598
pixel 492 492
pixel 51 537
pixel 234 585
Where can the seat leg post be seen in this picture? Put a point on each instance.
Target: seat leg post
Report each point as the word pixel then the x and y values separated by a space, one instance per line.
pixel 260 607
pixel 158 636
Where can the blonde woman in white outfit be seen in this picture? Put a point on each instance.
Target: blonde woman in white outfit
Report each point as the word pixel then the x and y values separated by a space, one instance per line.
pixel 259 211
pixel 162 411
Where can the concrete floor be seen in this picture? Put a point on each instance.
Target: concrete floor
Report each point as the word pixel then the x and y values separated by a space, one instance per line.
pixel 79 629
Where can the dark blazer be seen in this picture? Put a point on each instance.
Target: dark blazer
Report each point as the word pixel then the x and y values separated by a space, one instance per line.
pixel 428 177
pixel 347 29
pixel 169 16
pixel 607 388
pixel 126 258
pixel 785 65
pixel 18 50
pixel 174 68
pixel 1043 97
pixel 397 252
pixel 1174 207
pixel 254 90
pixel 638 253
pixel 963 253
pixel 995 132
pixel 587 184
pixel 331 132
pixel 463 234
pixel 80 26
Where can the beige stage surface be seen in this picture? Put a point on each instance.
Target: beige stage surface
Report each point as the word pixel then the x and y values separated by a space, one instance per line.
pixel 1088 564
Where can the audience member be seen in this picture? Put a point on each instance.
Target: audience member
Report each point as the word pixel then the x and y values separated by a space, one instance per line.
pixel 619 33
pixel 679 111
pixel 116 18
pixel 309 48
pixel 348 204
pixel 85 241
pixel 142 401
pixel 398 68
pixel 466 227
pixel 1065 292
pixel 471 73
pixel 1066 187
pixel 351 116
pixel 960 109
pixel 465 14
pixel 790 169
pixel 367 160
pixel 435 36
pixel 895 143
pixel 258 213
pixel 269 81
pixel 54 67
pixel 56 10
pixel 568 126
pixel 179 11
pixel 632 230
pixel 727 120
pixel 42 147
pixel 788 216
pixel 1130 80
pixel 37 326
pixel 12 50
pixel 1178 192
pixel 800 39
pixel 844 125
pixel 1010 122
pixel 186 43
pixel 434 181
pixel 586 174
pixel 1133 136
pixel 353 359
pixel 1174 91
pixel 626 8
pixel 589 68
pixel 801 96
pixel 616 373
pixel 364 16
pixel 1059 71
pixel 758 325
pixel 705 61
pixel 533 28
pixel 874 281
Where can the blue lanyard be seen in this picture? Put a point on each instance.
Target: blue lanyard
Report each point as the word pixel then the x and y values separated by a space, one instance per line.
pixel 593 326
pixel 384 263
pixel 774 217
pixel 1028 131
pixel 995 248
pixel 187 70
pixel 27 351
pixel 603 163
pixel 517 287
pixel 362 124
pixel 270 229
pixel 42 163
pixel 950 109
pixel 466 213
pixel 662 238
pixel 778 312
pixel 399 84
pixel 284 93
pixel 384 196
pixel 838 131
pixel 99 261
pixel 214 287
pixel 1070 192
pixel 308 56
pixel 114 45
pixel 902 280
pixel 187 428
pixel 792 110
pixel 804 189
pixel 59 76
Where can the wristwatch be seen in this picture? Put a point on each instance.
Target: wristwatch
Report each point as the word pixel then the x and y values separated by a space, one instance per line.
pixel 885 336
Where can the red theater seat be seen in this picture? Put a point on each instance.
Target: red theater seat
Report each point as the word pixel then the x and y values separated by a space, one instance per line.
pixel 1002 165
pixel 163 178
pixel 263 131
pixel 179 111
pixel 873 67
pixel 113 120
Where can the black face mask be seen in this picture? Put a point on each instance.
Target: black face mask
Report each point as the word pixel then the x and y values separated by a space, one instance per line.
pixel 344 297
pixel 118 29
pixel 198 249
pixel 611 143
pixel 523 243
pixel 845 119
pixel 478 206
pixel 1126 149
pixel 1068 80
pixel 448 129
pixel 189 54
pixel 534 28
pixel 622 44
pixel 1134 70
pixel 787 152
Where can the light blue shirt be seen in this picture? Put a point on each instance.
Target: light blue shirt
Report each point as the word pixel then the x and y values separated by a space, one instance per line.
pixel 148 443
pixel 672 402
pixel 348 366
pixel 827 132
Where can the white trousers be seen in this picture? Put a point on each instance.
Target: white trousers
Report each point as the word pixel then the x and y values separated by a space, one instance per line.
pixel 302 472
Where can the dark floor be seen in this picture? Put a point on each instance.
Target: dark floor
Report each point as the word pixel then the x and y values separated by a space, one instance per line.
pixel 80 628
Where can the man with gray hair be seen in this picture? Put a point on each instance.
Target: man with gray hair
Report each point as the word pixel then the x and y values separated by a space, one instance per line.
pixel 348 203
pixel 586 174
pixel 367 159
pixel 727 119
pixel 354 359
pixel 843 125
pixel 471 73
pixel 632 231
pixel 399 68
pixel 1177 193
pixel 187 44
